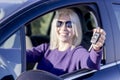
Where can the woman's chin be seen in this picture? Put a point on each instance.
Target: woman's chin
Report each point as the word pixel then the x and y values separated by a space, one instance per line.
pixel 64 40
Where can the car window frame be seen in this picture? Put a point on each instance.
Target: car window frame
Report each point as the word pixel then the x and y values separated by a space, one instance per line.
pixel 84 72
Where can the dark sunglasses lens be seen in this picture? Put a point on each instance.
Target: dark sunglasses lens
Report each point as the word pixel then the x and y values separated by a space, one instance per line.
pixel 69 24
pixel 59 23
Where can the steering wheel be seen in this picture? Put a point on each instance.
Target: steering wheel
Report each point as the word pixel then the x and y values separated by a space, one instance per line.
pixel 38 75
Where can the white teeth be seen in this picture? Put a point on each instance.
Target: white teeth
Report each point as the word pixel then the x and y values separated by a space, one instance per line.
pixel 64 34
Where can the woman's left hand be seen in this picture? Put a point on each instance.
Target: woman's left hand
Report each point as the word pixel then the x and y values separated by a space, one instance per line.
pixel 101 39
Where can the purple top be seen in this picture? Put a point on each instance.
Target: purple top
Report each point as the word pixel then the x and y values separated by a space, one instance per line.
pixel 61 62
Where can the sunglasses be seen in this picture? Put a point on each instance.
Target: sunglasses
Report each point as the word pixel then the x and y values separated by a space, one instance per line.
pixel 68 24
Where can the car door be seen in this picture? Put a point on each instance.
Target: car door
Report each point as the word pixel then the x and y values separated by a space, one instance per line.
pixel 115 21
pixel 108 21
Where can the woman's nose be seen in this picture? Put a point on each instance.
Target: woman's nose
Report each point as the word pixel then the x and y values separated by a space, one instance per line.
pixel 63 27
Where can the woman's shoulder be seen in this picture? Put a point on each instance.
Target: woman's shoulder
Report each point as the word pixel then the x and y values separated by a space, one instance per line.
pixel 43 46
pixel 79 50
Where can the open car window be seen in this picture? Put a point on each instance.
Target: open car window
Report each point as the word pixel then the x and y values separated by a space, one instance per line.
pixel 40 28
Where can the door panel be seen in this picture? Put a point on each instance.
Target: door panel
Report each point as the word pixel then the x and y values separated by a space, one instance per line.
pixel 108 73
pixel 113 7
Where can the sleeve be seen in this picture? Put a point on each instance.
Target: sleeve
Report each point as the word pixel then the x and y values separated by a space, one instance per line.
pixel 35 54
pixel 90 60
pixel 94 59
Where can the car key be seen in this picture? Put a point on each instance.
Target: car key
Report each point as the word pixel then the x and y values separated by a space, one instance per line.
pixel 94 39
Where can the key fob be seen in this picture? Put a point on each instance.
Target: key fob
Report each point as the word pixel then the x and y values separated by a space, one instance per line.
pixel 95 38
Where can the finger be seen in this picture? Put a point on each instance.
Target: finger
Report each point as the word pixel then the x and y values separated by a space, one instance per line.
pixel 102 38
pixel 96 47
pixel 98 30
pixel 102 32
pixel 94 30
pixel 99 44
pixel 100 41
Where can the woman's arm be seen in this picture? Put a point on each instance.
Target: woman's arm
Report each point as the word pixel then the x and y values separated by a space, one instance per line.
pixel 35 54
pixel 93 58
pixel 89 60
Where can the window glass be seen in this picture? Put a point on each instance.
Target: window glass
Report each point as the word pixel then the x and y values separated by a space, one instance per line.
pixel 117 13
pixel 38 30
pixel 10 56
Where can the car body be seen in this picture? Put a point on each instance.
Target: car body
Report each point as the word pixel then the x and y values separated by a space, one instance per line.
pixel 16 14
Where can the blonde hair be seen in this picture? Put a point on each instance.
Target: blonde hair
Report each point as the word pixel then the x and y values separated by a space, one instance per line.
pixel 76 26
